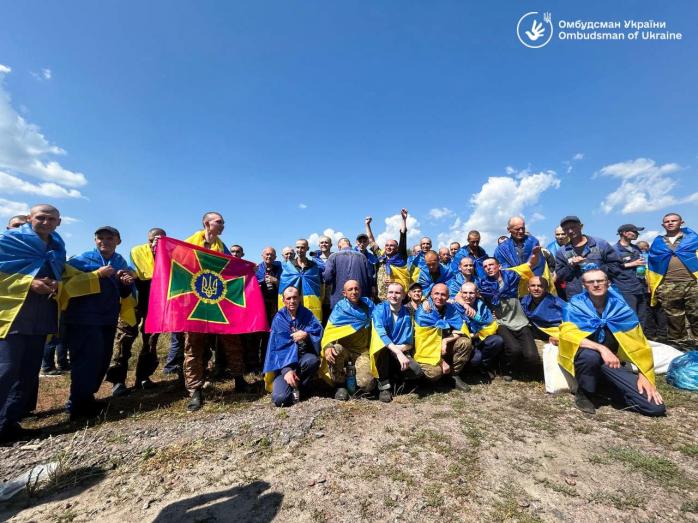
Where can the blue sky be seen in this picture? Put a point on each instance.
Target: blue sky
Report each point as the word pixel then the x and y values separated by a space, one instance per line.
pixel 294 117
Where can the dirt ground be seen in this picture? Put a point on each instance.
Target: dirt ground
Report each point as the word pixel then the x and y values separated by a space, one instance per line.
pixel 503 452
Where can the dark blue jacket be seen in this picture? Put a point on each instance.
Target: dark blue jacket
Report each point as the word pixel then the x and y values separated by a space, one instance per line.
pixel 101 308
pixel 596 252
pixel 627 281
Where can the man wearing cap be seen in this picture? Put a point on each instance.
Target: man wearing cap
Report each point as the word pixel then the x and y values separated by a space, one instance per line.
pixel 581 254
pixel 344 265
pixel 392 260
pixel 91 320
pixel 196 344
pixel 630 280
pixel 414 297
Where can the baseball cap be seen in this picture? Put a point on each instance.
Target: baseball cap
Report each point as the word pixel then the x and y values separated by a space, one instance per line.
pixel 414 285
pixel 361 237
pixel 570 219
pixel 109 229
pixel 627 227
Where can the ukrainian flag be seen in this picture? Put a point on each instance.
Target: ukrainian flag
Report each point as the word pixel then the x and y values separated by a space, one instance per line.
pixel 396 269
pixel 22 255
pixel 427 331
pixel 660 255
pixel 547 316
pixel 143 261
pixel 308 284
pixel 485 326
pixel 386 330
pixel 199 239
pixel 507 256
pixel 580 320
pixel 346 319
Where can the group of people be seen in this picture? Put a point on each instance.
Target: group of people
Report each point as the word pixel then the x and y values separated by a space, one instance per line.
pixel 363 319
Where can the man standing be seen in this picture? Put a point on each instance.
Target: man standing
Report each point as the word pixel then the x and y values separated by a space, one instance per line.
pixel 91 320
pixel 465 273
pixel 392 341
pixel 287 253
pixel 304 274
pixel 196 344
pixel 453 248
pixel 320 257
pixel 292 355
pixel 471 250
pixel 445 257
pixel 16 222
pixel 345 265
pixel 598 331
pixel 561 240
pixel 630 280
pixel 432 273
pixel 268 275
pixel 32 257
pixel 581 254
pixel 673 269
pixel 392 260
pixel 143 261
pixel 346 340
pixel 441 336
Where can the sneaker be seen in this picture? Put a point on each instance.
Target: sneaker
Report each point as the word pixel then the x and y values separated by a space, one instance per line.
pixel 507 378
pixel 342 394
pixel 118 390
pixel 385 396
pixel 196 401
pixel 583 403
pixel 51 373
pixel 460 384
pixel 146 384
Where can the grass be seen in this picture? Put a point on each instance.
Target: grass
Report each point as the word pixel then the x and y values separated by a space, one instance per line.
pixel 508 507
pixel 690 506
pixel 621 500
pixel 689 450
pixel 662 470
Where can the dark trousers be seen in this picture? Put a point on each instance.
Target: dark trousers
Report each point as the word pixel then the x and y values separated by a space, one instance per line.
pixel 591 372
pixel 90 348
pixel 656 328
pixel 175 356
pixel 520 352
pixel 389 369
pixel 55 351
pixel 486 352
pixel 282 392
pixel 640 304
pixel 20 361
pixel 123 344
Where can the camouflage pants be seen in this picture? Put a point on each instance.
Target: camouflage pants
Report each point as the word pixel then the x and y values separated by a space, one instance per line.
pixel 362 364
pixel 679 302
pixel 457 356
pixel 123 344
pixel 195 346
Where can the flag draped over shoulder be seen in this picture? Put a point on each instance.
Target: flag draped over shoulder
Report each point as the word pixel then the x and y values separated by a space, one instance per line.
pixel 660 255
pixel 427 331
pixel 580 320
pixel 483 324
pixel 22 254
pixel 507 256
pixel 282 351
pixel 199 239
pixel 385 329
pixel 308 282
pixel 262 270
pixel 199 290
pixel 427 282
pixel 456 282
pixel 396 269
pixel 493 293
pixel 143 261
pixel 90 261
pixel 547 315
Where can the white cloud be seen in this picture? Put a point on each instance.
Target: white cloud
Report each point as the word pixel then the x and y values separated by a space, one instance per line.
pixel 12 184
pixel 25 150
pixel 5 69
pixel 536 217
pixel 645 186
pixel 575 158
pixel 44 74
pixel 302 206
pixel 499 199
pixel 441 212
pixel 314 238
pixel 510 170
pixel 648 236
pixel 9 208
pixel 578 156
pixel 69 220
pixel 392 229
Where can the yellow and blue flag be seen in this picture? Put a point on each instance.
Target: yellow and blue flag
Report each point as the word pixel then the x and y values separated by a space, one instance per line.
pixel 385 329
pixel 199 239
pixel 22 255
pixel 308 282
pixel 427 281
pixel 483 324
pixel 508 257
pixel 396 269
pixel 345 320
pixel 580 320
pixel 143 261
pixel 547 315
pixel 660 255
pixel 428 327
pixel 282 351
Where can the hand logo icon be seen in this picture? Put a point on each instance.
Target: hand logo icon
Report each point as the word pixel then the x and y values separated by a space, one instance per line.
pixel 537 30
pixel 539 35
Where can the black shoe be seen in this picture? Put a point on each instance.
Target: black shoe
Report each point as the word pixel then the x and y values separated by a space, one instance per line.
pixel 50 373
pixel 385 396
pixel 416 369
pixel 119 390
pixel 507 377
pixel 342 394
pixel 145 384
pixel 196 401
pixel 16 432
pixel 91 410
pixel 583 403
pixel 240 385
pixel 460 384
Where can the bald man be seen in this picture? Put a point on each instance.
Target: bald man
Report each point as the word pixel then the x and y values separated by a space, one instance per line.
pixel 16 221
pixel 432 273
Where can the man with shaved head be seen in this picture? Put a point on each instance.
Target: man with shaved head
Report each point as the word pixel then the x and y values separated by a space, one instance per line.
pixel 432 273
pixel 344 265
pixel 16 221
pixel 143 261
pixel 32 259
pixel 517 250
pixel 471 250
pixel 268 274
pixel 392 259
pixel 444 257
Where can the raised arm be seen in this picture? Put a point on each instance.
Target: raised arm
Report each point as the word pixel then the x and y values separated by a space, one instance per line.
pixel 369 232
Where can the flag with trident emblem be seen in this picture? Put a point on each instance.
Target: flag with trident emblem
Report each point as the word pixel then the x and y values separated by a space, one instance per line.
pixel 198 290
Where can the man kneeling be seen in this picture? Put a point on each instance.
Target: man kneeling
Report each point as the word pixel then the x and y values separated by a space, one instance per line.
pixel 598 330
pixel 392 340
pixel 292 353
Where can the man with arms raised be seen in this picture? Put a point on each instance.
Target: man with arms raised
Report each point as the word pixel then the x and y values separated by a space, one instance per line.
pixel 392 260
pixel 392 341
pixel 599 338
pixel 346 339
pixel 292 356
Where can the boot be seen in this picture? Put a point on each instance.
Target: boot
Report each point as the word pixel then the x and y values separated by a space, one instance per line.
pixel 196 401
pixel 583 403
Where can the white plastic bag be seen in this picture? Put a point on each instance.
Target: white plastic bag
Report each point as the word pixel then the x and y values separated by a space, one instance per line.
pixel 663 356
pixel 556 378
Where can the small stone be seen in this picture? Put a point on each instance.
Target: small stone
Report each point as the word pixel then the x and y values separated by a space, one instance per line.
pixel 570 481
pixel 146 505
pixel 322 480
pixel 523 503
pixel 311 482
pixel 539 477
pixel 319 435
pixel 496 456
